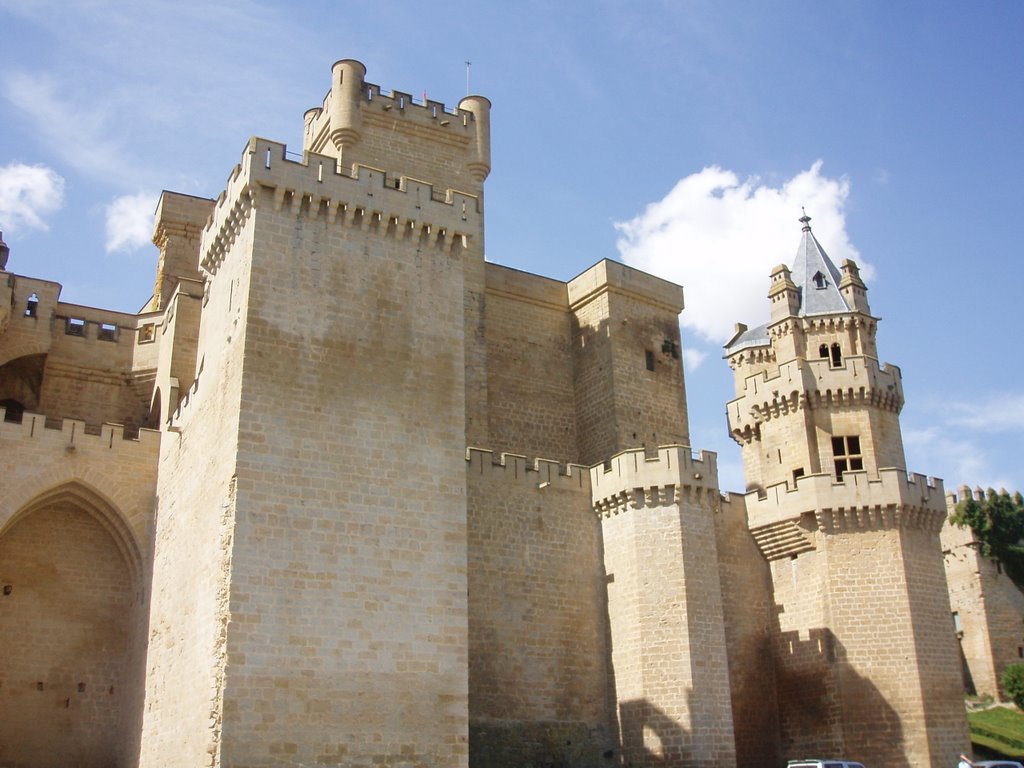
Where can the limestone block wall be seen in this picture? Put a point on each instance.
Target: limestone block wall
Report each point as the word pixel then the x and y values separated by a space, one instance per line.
pixel 538 635
pixel 748 608
pixel 866 660
pixel 668 640
pixel 180 220
pixel 785 418
pixel 76 517
pixel 347 639
pixel 988 606
pixel 195 529
pixel 393 132
pixel 530 386
pixel 626 323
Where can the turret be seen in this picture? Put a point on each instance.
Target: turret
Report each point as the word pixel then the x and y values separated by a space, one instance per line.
pixel 851 539
pixel 346 92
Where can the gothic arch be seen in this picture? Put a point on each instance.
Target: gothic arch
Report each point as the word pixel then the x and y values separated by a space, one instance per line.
pixel 89 500
pixel 74 629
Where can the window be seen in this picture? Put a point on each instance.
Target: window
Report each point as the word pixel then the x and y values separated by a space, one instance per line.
pixel 31 305
pixel 797 474
pixel 819 280
pixel 650 360
pixel 846 452
pixel 107 332
pixel 956 622
pixel 147 333
pixel 823 351
pixel 74 326
pixel 837 356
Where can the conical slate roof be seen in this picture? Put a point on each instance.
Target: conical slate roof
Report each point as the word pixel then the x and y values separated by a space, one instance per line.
pixel 817 280
pixel 816 277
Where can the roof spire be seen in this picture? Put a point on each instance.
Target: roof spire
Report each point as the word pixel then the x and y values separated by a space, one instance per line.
pixel 805 220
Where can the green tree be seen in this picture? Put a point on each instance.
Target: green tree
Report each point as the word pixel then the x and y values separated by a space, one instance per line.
pixel 1013 684
pixel 998 522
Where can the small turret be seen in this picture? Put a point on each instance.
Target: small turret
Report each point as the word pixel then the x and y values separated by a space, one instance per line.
pixel 783 294
pixel 346 92
pixel 853 289
pixel 480 166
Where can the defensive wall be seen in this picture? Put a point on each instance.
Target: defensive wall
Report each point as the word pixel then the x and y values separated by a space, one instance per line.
pixel 76 518
pixel 539 662
pixel 987 606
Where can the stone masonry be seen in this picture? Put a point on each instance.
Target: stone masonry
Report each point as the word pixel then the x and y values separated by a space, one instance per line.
pixel 291 512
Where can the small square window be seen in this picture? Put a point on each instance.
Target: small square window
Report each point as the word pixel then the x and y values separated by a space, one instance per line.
pixel 107 332
pixel 74 326
pixel 847 455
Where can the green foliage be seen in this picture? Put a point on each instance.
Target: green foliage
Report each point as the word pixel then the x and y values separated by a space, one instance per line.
pixel 998 522
pixel 998 729
pixel 1013 684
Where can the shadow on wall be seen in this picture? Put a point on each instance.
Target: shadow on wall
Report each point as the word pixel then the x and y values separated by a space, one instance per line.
pixel 651 738
pixel 827 709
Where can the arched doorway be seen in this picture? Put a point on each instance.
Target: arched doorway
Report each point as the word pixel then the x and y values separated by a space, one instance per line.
pixel 70 615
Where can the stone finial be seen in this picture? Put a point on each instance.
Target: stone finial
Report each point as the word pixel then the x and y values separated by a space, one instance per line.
pixel 805 220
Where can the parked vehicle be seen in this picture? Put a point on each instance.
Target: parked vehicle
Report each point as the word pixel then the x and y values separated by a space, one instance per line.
pixel 832 763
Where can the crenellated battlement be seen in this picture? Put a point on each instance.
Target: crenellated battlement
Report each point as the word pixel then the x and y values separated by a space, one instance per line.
pixel 71 435
pixel 540 473
pixel 355 114
pixel 895 499
pixel 366 198
pixel 633 479
pixel 814 384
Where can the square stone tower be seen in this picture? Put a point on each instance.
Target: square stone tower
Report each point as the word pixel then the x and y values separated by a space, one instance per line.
pixel 310 587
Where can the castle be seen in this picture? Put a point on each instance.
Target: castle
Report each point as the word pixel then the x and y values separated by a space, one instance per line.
pixel 290 514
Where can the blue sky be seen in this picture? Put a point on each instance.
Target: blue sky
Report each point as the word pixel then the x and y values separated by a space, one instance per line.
pixel 682 137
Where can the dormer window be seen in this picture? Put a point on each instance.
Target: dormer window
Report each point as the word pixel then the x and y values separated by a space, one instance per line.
pixel 819 280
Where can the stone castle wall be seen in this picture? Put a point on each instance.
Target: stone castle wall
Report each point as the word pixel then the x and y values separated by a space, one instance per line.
pixel 987 605
pixel 76 517
pixel 538 633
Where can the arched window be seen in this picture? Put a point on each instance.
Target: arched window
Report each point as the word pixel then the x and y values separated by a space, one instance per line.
pixel 837 356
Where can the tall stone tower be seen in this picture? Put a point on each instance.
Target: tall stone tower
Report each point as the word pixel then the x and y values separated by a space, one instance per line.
pixel 865 658
pixel 310 587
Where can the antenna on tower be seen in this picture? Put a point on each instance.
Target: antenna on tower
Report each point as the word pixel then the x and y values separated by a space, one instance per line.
pixel 469 64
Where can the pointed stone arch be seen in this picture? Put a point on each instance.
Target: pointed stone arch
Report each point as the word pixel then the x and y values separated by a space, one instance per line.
pixel 99 507
pixel 74 628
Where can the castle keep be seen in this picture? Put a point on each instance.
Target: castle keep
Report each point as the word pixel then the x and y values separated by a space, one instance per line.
pixel 345 494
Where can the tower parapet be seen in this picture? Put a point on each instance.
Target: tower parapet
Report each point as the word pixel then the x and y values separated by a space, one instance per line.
pixel 365 197
pixel 431 141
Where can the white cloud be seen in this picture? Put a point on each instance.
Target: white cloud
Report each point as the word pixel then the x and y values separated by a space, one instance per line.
pixel 720 238
pixel 130 221
pixel 955 457
pixel 999 413
pixel 692 358
pixel 28 193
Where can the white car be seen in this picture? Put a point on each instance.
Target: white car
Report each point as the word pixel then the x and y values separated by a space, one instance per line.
pixel 815 763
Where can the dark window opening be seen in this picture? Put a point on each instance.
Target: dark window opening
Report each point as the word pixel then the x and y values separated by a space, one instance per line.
pixel 32 305
pixel 107 332
pixel 847 455
pixel 74 326
pixel 819 280
pixel 650 360
pixel 798 473
pixel 837 355
pixel 13 411
pixel 823 350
